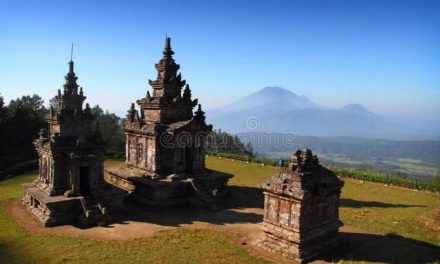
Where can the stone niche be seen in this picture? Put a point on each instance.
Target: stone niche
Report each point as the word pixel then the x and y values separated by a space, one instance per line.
pixel 301 204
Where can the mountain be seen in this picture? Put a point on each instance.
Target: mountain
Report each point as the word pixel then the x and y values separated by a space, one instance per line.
pixel 357 109
pixel 278 110
pixel 271 97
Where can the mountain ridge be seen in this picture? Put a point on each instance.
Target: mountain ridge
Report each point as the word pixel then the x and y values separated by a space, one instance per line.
pixel 278 110
pixel 270 95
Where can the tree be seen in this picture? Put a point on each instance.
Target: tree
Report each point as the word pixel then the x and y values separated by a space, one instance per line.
pixel 32 102
pixel 3 110
pixel 111 129
pixel 250 148
pixel 97 111
pixel 53 102
pixel 220 141
pixel 23 121
pixel 436 180
pixel 3 132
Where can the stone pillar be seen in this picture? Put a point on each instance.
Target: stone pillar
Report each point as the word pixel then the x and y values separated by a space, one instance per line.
pixel 57 176
pixel 75 179
pixel 301 205
pixel 127 148
pixel 145 152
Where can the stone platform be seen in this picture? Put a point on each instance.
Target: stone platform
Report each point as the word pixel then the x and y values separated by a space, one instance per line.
pixel 60 210
pixel 157 192
pixel 300 245
pixel 50 210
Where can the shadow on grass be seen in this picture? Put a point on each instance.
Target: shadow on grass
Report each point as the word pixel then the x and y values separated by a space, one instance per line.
pixel 344 202
pixel 389 248
pixel 9 252
pixel 241 205
pixel 244 197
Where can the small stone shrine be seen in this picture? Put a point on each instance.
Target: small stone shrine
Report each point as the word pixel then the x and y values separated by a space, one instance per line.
pixel 70 187
pixel 301 206
pixel 165 146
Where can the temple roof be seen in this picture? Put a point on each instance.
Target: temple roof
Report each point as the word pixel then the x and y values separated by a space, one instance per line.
pixel 169 82
pixel 167 104
pixel 304 176
pixel 71 100
pixel 71 86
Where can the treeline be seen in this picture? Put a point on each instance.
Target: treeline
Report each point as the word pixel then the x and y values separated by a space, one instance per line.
pixel 111 127
pixel 366 175
pixel 220 141
pixel 389 179
pixel 247 158
pixel 356 148
pixel 22 119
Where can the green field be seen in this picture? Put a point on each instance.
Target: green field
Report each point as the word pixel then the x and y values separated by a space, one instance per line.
pixel 374 208
pixel 411 168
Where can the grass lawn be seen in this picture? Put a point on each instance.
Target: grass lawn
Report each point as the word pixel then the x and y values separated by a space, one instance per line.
pixel 382 209
pixel 180 245
pixel 369 206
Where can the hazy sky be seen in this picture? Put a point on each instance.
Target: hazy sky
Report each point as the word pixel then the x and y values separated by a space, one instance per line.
pixel 382 54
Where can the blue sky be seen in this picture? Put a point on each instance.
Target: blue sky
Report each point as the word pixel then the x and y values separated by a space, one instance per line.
pixel 382 54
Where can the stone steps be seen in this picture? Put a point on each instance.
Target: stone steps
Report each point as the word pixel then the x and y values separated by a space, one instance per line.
pixel 204 194
pixel 93 211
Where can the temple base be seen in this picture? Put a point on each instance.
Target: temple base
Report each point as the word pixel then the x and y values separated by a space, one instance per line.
pixel 170 191
pixel 61 210
pixel 300 248
pixel 50 210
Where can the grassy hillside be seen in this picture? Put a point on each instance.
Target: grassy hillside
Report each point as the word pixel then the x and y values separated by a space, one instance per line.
pixel 369 206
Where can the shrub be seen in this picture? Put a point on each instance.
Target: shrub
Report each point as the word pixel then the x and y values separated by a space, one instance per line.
pixel 19 168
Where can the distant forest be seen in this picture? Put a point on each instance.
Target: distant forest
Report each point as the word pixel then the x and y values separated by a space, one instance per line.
pixel 22 119
pixel 419 158
pixel 355 147
pixel 220 141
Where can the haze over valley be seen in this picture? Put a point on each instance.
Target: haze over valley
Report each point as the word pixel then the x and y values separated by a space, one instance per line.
pixel 275 121
pixel 278 110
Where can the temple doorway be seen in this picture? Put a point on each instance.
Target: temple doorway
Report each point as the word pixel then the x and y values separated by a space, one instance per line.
pixel 189 160
pixel 84 180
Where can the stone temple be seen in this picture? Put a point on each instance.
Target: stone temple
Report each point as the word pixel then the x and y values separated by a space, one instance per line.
pixel 165 146
pixel 70 187
pixel 301 206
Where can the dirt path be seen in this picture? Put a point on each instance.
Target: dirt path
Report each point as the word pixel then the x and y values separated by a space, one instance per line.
pixel 244 223
pixel 140 224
